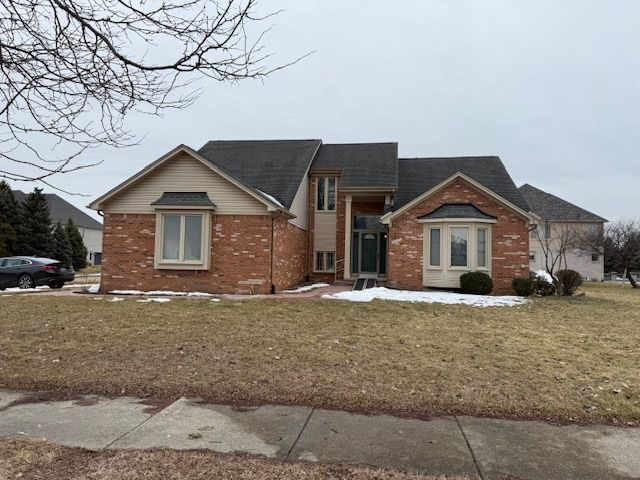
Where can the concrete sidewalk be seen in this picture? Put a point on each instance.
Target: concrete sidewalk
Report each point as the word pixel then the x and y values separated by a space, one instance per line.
pixel 479 447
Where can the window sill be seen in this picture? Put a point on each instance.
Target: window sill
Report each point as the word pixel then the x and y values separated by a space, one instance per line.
pixel 180 266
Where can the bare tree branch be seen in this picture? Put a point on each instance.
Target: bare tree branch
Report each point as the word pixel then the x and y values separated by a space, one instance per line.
pixel 71 70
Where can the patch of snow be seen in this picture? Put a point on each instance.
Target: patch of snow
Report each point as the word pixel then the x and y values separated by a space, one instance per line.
pixel 93 288
pixel 449 298
pixel 116 299
pixel 46 287
pixel 544 275
pixel 160 293
pixel 306 288
pixel 272 198
pixel 156 300
pixel 215 299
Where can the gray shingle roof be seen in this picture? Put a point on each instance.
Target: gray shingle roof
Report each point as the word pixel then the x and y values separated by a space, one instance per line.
pixel 275 167
pixel 550 207
pixel 418 175
pixel 61 211
pixel 186 199
pixel 458 210
pixel 361 164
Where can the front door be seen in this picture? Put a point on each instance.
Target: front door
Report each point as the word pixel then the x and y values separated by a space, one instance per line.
pixel 369 253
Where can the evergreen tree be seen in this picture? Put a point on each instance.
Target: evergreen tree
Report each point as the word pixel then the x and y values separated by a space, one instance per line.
pixel 9 215
pixel 7 240
pixel 61 247
pixel 79 256
pixel 9 212
pixel 34 232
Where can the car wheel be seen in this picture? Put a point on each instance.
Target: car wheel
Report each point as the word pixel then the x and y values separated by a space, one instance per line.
pixel 56 284
pixel 25 281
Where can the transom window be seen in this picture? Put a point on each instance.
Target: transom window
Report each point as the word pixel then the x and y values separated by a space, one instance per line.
pixel 325 261
pixel 326 193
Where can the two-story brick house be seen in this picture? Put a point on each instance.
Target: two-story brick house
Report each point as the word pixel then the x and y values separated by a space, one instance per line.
pixel 262 216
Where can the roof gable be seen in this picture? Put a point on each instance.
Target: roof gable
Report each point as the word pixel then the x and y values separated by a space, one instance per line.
pixel 549 207
pixel 360 164
pixel 61 211
pixel 275 168
pixel 183 149
pixel 418 175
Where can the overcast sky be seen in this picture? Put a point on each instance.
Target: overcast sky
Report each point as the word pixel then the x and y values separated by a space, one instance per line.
pixel 551 87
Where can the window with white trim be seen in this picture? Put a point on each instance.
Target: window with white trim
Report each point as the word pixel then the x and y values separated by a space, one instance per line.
pixel 325 261
pixel 595 257
pixel 481 243
pixel 459 247
pixel 532 256
pixel 181 240
pixel 434 247
pixel 326 193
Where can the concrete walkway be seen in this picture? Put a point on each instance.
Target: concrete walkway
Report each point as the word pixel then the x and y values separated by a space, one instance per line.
pixel 478 447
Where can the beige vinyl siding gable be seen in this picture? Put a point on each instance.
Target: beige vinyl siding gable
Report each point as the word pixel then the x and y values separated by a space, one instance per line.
pixel 324 235
pixel 300 205
pixel 184 174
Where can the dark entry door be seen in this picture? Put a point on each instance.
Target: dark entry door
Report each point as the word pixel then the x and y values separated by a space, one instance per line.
pixel 369 253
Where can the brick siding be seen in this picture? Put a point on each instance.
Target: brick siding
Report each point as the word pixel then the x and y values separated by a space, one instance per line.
pixel 240 256
pixel 510 239
pixel 289 255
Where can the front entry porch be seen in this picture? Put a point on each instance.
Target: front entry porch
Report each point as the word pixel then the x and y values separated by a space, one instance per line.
pixel 365 237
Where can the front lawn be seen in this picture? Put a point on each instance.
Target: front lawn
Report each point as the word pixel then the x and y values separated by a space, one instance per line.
pixel 567 359
pixel 28 459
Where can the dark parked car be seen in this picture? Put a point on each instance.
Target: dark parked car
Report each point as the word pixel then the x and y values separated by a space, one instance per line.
pixel 30 272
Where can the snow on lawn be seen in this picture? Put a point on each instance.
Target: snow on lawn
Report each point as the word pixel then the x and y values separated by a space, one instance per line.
pixel 161 293
pixel 306 288
pixel 449 298
pixel 156 300
pixel 89 286
pixel 116 299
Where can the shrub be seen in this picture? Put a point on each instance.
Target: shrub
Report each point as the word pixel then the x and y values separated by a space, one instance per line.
pixel 477 283
pixel 543 288
pixel 523 286
pixel 568 282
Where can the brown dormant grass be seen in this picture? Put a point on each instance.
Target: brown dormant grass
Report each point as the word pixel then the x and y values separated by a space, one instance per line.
pixel 29 459
pixel 565 359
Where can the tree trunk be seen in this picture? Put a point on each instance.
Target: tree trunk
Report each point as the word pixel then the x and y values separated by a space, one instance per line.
pixel 633 282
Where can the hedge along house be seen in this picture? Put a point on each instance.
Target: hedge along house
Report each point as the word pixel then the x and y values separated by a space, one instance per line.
pixel 262 216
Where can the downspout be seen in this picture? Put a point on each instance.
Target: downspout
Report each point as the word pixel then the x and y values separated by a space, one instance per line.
pixel 273 287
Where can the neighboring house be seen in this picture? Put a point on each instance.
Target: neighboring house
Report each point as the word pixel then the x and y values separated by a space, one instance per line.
pixel 61 211
pixel 263 216
pixel 560 219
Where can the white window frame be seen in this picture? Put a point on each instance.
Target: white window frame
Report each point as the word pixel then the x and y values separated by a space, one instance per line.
pixel 326 268
pixel 430 266
pixel 487 247
pixel 532 256
pixel 205 245
pixel 450 232
pixel 326 194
